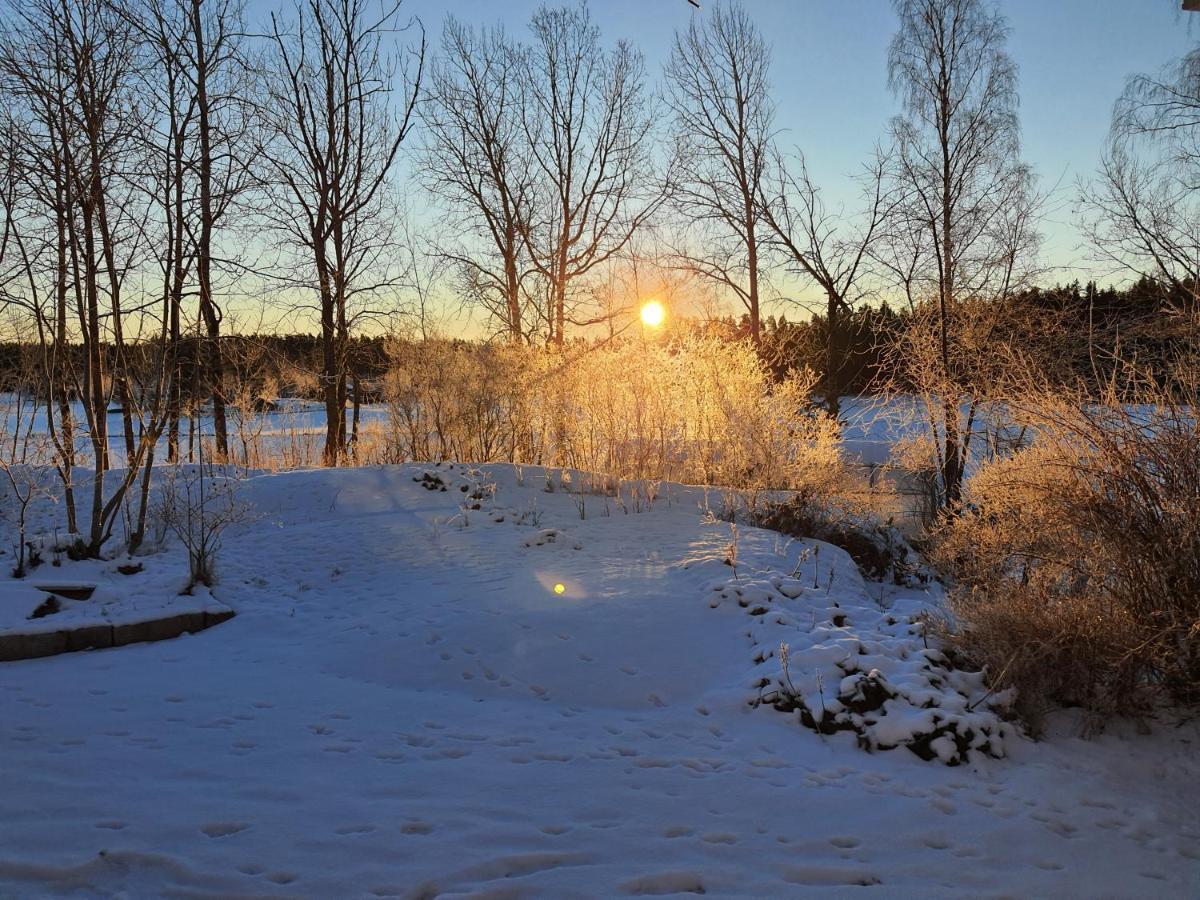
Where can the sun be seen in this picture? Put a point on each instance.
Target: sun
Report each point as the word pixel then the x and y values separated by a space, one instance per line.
pixel 653 313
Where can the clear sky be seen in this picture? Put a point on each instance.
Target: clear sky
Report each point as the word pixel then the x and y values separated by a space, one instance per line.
pixel 830 80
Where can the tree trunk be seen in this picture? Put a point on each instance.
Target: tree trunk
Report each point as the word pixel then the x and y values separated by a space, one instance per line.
pixel 833 356
pixel 212 319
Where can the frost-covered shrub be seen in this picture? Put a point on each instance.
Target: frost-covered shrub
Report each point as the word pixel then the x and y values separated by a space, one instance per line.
pixel 1077 560
pixel 453 400
pixel 701 410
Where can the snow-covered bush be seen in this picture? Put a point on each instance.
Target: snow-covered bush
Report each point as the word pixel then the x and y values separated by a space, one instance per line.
pixel 1077 560
pixel 839 662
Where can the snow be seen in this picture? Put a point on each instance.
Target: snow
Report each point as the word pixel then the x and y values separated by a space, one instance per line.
pixel 109 605
pixel 403 706
pixel 288 424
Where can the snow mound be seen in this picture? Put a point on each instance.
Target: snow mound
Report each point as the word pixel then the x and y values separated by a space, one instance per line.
pixel 842 665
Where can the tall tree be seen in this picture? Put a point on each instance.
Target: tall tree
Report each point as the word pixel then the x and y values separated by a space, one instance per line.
pixel 215 70
pixel 197 77
pixel 825 247
pixel 160 26
pixel 72 68
pixel 475 159
pixel 336 118
pixel 587 118
pixel 718 86
pixel 957 164
pixel 1143 208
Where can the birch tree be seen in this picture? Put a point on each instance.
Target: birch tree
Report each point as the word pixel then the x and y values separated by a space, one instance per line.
pixel 719 90
pixel 957 164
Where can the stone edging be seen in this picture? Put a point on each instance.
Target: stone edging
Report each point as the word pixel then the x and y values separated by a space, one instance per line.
pixel 97 637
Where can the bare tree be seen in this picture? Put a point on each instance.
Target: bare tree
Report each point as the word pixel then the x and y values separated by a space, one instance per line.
pixel 718 86
pixel 957 164
pixel 334 133
pixel 160 25
pixel 820 246
pixel 1142 210
pixel 216 73
pixel 476 161
pixel 71 68
pixel 198 77
pixel 37 198
pixel 587 118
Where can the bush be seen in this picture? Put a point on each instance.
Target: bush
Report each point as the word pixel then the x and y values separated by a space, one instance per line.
pixel 1077 561
pixel 877 548
pixel 197 504
pixel 701 410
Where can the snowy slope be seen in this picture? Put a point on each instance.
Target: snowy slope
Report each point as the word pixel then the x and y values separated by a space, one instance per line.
pixel 404 706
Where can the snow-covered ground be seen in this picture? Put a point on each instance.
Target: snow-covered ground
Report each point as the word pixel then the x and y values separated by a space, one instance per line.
pixel 406 705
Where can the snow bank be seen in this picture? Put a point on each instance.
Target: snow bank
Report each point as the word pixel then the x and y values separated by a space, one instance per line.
pixel 826 652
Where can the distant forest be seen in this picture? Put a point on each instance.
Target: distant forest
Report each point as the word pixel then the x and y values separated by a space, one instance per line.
pixel 1070 331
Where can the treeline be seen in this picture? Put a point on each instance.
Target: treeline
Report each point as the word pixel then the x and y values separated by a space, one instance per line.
pixel 1073 332
pixel 258 367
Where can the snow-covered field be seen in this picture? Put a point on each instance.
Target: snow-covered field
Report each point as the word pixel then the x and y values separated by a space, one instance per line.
pixel 406 705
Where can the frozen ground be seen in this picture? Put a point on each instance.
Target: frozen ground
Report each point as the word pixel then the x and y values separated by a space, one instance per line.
pixel 404 706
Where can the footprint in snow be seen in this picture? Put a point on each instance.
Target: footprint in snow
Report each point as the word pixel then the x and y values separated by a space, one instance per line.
pixel 661 883
pixel 828 876
pixel 223 829
pixel 353 829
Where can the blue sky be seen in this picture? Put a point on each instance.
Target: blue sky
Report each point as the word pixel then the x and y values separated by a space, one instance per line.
pixel 830 80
